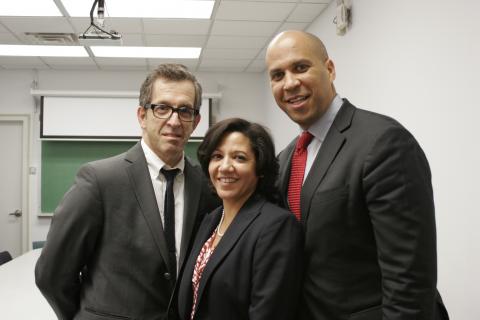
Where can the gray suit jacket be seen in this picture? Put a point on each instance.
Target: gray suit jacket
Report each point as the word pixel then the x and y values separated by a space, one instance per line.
pixel 106 255
pixel 368 213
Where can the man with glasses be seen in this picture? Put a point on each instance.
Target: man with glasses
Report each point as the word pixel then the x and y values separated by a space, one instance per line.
pixel 122 232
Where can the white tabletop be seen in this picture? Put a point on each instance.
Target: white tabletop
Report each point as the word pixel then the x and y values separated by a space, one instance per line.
pixel 20 298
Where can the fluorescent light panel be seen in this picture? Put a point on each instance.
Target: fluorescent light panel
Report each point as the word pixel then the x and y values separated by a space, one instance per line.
pixel 146 52
pixel 193 9
pixel 29 8
pixel 42 51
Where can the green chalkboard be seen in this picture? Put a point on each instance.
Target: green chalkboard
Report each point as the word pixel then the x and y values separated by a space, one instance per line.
pixel 62 159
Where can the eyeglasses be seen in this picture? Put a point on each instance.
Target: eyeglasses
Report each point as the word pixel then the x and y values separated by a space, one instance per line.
pixel 164 111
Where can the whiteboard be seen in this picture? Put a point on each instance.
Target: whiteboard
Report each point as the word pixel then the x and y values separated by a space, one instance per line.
pixel 99 118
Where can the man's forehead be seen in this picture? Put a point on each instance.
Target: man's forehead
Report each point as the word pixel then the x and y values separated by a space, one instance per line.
pixel 286 62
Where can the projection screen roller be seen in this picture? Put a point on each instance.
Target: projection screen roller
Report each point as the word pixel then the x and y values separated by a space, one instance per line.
pixel 99 118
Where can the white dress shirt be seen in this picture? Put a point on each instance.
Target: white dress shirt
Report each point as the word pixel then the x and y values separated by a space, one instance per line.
pixel 159 186
pixel 319 130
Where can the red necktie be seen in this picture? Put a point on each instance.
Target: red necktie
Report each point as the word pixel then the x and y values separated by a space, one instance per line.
pixel 297 171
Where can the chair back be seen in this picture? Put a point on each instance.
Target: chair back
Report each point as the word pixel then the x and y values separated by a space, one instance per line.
pixel 5 257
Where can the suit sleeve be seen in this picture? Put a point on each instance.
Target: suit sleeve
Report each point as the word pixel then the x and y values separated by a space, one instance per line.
pixel 277 270
pixel 398 192
pixel 75 227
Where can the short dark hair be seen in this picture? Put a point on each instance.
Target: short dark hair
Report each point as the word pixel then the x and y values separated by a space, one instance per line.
pixel 261 143
pixel 171 72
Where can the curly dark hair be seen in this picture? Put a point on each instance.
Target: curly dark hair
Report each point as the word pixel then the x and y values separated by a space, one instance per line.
pixel 262 146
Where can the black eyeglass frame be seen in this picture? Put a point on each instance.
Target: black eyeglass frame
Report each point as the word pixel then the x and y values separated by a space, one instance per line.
pixel 172 110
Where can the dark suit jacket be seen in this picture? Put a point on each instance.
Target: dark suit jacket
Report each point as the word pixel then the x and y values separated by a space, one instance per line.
pixel 368 213
pixel 108 227
pixel 255 270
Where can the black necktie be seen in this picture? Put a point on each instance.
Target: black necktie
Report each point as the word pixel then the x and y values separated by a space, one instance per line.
pixel 169 218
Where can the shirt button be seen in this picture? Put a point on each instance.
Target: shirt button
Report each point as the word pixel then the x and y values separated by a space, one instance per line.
pixel 167 275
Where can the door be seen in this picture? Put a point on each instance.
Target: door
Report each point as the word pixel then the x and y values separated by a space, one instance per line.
pixel 13 184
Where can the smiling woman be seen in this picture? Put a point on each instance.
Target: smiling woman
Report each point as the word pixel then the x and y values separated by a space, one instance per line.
pixel 245 237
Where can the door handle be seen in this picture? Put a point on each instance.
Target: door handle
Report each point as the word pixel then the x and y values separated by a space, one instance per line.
pixel 18 213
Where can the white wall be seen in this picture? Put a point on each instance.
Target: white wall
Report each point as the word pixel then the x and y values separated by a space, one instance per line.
pixel 240 96
pixel 418 61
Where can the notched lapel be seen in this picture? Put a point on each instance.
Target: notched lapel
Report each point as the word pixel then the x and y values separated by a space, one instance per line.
pixel 191 202
pixel 331 146
pixel 285 160
pixel 209 224
pixel 142 186
pixel 239 225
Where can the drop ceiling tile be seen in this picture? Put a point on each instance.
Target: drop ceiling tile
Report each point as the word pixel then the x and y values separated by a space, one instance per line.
pixel 8 38
pixel 221 69
pixel 306 12
pixel 2 28
pixel 66 63
pixel 258 11
pixel 224 63
pixel 230 42
pixel 120 25
pixel 244 28
pixel 22 63
pixel 260 0
pixel 189 63
pixel 131 40
pixel 257 66
pixel 262 53
pixel 176 26
pixel 80 24
pixel 317 1
pixel 20 25
pixel 229 53
pixel 159 40
pixel 293 26
pixel 134 62
pixel 123 67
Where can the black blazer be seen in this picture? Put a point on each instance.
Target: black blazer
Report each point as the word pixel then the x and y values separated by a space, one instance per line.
pixel 255 270
pixel 368 213
pixel 108 227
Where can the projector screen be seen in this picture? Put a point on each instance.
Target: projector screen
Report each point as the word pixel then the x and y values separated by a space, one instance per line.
pixel 100 118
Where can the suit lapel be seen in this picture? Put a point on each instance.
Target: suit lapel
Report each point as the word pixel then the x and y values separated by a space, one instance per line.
pixel 285 160
pixel 209 224
pixel 329 150
pixel 191 203
pixel 143 189
pixel 239 225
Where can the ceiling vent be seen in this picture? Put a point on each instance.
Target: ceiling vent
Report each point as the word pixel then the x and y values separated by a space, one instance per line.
pixel 52 38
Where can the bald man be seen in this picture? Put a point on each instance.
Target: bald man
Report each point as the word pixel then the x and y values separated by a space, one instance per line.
pixel 361 186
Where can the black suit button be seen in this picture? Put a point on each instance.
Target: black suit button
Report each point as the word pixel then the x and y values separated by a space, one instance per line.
pixel 167 275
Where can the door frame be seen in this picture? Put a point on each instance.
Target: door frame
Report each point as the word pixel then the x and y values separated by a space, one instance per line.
pixel 25 120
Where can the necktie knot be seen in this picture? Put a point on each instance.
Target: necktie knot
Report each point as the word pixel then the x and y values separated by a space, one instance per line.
pixel 304 140
pixel 169 174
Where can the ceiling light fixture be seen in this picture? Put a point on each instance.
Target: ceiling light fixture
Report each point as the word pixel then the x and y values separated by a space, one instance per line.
pixel 29 8
pixel 193 9
pixel 42 51
pixel 146 52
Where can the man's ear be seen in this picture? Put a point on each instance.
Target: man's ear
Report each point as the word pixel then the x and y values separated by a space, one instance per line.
pixel 331 69
pixel 141 116
pixel 196 121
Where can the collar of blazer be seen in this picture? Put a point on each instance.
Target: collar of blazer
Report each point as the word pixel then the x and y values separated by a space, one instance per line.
pixel 331 146
pixel 244 218
pixel 145 196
